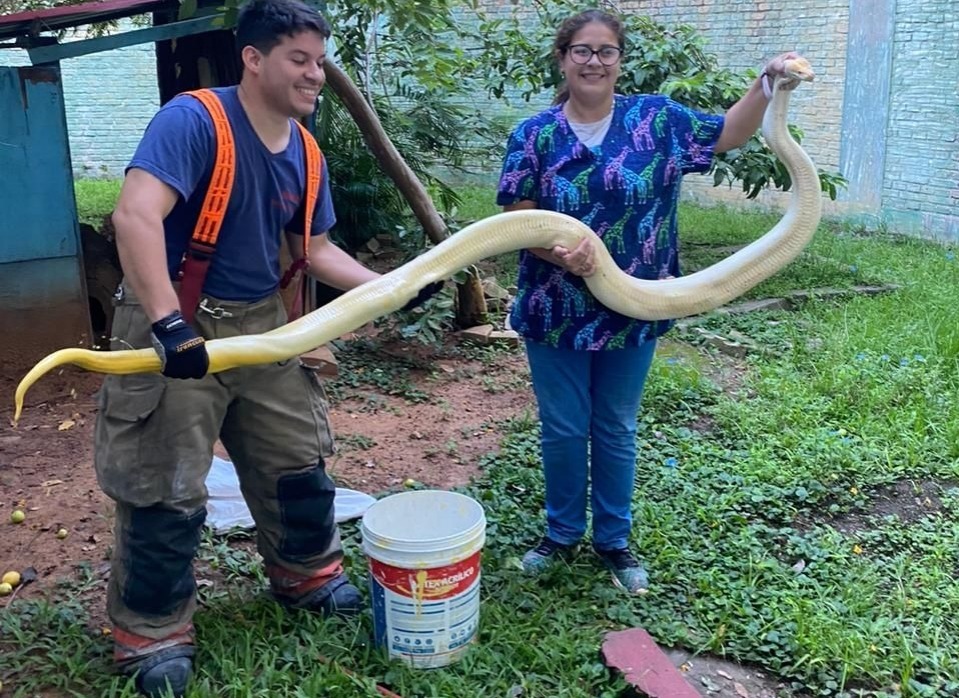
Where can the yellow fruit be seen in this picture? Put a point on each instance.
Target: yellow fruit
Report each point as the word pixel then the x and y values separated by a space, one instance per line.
pixel 62 533
pixel 5 589
pixel 11 578
pixel 409 482
pixel 17 516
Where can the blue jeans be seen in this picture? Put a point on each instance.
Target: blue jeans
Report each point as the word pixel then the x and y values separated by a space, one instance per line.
pixel 588 401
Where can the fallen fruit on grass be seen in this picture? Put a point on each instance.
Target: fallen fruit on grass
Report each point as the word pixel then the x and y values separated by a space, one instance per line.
pixel 62 533
pixel 5 589
pixel 17 516
pixel 11 578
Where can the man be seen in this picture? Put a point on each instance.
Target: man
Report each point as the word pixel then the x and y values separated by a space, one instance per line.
pixel 155 433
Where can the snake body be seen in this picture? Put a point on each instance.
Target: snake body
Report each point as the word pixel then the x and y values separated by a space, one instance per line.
pixel 506 232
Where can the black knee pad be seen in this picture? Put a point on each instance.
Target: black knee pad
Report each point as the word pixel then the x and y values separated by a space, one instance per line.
pixel 306 513
pixel 158 551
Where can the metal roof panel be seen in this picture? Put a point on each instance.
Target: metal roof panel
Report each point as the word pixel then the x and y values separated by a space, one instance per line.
pixel 32 22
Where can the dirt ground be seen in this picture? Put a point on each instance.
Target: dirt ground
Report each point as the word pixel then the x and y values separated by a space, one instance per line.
pixel 46 469
pixel 46 462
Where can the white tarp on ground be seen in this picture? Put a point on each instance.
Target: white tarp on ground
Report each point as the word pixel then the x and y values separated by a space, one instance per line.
pixel 226 509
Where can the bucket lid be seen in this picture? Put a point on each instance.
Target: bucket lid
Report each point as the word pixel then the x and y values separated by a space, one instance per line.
pixel 435 516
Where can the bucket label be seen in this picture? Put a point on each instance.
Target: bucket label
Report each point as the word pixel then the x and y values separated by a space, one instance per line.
pixel 427 585
pixel 426 616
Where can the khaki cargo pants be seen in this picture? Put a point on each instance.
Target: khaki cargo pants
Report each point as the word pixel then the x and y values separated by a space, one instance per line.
pixel 153 450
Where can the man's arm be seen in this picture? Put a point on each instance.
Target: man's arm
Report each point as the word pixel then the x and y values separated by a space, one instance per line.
pixel 334 267
pixel 138 220
pixel 329 264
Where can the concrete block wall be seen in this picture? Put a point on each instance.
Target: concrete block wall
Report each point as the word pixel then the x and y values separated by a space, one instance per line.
pixel 921 184
pixel 743 34
pixel 110 98
pixel 484 169
pixel 889 120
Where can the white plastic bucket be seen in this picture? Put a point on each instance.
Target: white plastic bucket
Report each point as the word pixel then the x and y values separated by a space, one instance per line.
pixel 424 561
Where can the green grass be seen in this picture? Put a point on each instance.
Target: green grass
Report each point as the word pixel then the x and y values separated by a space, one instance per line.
pixel 708 235
pixel 741 495
pixel 96 199
pixel 476 203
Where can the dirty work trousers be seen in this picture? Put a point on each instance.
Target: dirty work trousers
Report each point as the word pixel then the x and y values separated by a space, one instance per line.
pixel 153 450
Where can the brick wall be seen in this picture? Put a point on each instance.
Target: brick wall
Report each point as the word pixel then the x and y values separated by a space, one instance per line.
pixel 902 131
pixel 921 183
pixel 745 33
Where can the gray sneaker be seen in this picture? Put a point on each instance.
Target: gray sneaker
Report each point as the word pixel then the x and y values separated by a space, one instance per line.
pixel 627 573
pixel 544 555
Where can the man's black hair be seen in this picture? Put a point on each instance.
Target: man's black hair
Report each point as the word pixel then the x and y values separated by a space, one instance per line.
pixel 263 23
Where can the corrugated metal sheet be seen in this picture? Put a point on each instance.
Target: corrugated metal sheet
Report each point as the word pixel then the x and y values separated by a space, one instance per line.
pixel 66 16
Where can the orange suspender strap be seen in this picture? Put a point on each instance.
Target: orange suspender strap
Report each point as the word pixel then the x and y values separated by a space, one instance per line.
pixel 313 176
pixel 196 260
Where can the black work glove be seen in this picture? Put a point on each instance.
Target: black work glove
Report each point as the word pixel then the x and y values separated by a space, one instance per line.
pixel 182 351
pixel 424 295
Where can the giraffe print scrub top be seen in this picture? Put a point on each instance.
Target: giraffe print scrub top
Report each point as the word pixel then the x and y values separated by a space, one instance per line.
pixel 626 189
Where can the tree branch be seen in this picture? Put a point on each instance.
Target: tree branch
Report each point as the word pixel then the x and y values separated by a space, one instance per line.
pixel 471 308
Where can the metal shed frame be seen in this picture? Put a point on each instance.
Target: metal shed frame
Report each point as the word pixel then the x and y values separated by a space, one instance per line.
pixel 56 282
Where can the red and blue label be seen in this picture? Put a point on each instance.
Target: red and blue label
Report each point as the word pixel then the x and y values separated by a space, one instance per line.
pixel 420 612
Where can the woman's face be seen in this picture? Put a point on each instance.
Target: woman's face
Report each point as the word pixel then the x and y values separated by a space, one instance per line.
pixel 591 80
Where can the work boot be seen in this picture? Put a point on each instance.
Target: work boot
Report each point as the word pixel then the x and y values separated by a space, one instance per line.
pixel 335 598
pixel 163 673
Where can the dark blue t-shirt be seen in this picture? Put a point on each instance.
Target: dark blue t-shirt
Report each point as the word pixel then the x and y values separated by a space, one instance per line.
pixel 179 148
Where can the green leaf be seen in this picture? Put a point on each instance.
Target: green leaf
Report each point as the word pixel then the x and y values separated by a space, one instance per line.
pixel 187 9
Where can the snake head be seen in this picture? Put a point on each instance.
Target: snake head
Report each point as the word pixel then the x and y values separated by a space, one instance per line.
pixel 798 69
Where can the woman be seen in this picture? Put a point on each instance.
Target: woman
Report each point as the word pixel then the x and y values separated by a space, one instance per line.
pixel 615 163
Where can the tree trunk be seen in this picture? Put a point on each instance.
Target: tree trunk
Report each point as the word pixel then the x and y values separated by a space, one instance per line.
pixel 471 306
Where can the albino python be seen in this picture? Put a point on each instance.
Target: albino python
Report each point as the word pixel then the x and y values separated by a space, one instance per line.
pixel 505 232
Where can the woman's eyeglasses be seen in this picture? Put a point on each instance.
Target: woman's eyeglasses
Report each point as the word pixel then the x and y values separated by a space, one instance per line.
pixel 581 54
